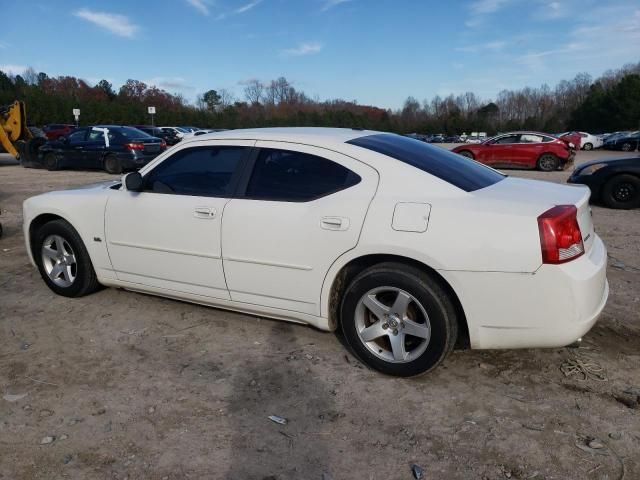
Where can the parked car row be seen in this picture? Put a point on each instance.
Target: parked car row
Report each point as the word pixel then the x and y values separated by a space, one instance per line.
pixel 114 148
pixel 625 141
pixel 532 150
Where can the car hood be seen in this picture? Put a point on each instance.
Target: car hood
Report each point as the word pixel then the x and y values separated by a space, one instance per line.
pixel 95 186
pixel 608 161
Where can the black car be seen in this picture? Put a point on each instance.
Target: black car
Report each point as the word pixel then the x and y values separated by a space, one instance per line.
pixel 626 142
pixel 614 182
pixel 168 135
pixel 110 147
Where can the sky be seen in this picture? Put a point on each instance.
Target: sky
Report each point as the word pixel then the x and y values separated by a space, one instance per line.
pixel 376 52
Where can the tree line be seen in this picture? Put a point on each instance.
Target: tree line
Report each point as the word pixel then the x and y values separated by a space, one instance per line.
pixel 608 103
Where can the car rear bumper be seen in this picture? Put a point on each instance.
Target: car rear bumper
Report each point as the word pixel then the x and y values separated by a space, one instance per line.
pixel 139 160
pixel 552 307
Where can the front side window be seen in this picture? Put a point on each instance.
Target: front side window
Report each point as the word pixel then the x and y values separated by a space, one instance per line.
pixel 284 175
pixel 507 139
pixel 199 171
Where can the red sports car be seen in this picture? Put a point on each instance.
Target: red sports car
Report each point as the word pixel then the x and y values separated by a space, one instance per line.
pixel 521 150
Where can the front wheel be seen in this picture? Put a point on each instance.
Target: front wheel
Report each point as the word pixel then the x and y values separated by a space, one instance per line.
pixel 622 191
pixel 548 162
pixel 626 147
pixel 398 319
pixel 51 161
pixel 63 260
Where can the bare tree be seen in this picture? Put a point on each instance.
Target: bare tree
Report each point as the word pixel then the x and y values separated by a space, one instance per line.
pixel 253 91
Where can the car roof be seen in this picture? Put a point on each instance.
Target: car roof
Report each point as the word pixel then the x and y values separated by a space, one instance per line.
pixel 309 135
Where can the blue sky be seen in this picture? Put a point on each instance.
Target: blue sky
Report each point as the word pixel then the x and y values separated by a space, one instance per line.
pixel 375 52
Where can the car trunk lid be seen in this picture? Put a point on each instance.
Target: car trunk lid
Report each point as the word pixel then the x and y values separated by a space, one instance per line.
pixel 534 197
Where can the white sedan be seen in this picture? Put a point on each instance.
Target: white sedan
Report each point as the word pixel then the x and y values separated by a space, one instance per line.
pixel 408 248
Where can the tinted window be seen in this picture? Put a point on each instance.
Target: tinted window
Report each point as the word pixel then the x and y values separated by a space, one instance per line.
pixel 95 136
pixel 77 136
pixel 201 171
pixel 507 139
pixel 455 169
pixel 296 177
pixel 130 132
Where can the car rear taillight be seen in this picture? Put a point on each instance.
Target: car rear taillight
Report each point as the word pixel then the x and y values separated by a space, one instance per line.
pixel 560 236
pixel 134 146
pixel 163 144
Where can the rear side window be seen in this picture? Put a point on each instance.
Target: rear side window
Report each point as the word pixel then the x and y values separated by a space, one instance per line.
pixel 455 169
pixel 284 175
pixel 200 171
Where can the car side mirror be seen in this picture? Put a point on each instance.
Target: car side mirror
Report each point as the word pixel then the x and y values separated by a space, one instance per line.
pixel 133 181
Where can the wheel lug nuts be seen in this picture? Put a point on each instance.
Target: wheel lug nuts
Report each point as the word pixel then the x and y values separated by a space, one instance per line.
pixel 385 326
pixel 395 331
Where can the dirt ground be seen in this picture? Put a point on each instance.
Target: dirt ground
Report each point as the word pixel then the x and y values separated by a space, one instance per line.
pixel 130 386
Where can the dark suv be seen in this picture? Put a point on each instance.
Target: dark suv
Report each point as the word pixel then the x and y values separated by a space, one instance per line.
pixel 110 147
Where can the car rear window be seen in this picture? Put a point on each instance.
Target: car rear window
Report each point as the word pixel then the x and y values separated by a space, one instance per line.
pixel 130 132
pixel 455 169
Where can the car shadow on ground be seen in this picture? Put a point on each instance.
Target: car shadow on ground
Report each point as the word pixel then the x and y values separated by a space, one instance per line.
pixel 278 385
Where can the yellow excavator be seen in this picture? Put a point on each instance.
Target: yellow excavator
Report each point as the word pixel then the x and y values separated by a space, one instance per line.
pixel 16 138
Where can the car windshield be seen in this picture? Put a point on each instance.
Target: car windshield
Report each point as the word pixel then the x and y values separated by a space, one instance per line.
pixel 455 169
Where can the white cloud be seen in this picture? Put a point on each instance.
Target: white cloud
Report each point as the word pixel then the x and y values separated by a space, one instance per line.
pixel 310 48
pixel 117 24
pixel 494 46
pixel 10 69
pixel 170 83
pixel 200 5
pixel 481 7
pixel 333 3
pixel 247 7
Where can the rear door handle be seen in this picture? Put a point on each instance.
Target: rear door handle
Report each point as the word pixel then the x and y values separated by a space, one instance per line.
pixel 334 223
pixel 205 212
pixel 79 148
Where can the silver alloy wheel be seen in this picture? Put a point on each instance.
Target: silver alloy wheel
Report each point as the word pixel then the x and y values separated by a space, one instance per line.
pixel 392 324
pixel 548 163
pixel 59 261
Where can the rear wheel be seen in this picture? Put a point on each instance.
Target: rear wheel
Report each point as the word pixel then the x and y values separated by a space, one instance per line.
pixel 112 165
pixel 626 147
pixel 548 162
pixel 398 319
pixel 466 153
pixel 63 260
pixel 587 146
pixel 622 191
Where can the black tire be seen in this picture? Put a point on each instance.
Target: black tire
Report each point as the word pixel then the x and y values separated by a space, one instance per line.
pixel 548 162
pixel 112 165
pixel 466 153
pixel 85 281
pixel 587 146
pixel 427 291
pixel 622 191
pixel 51 161
pixel 626 147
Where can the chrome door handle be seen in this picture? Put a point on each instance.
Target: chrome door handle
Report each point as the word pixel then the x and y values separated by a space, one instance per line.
pixel 79 148
pixel 204 212
pixel 334 223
